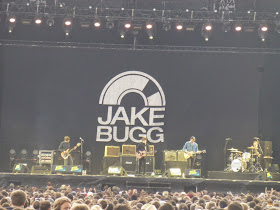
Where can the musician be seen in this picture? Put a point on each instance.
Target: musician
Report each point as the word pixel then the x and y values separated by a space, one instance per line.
pixel 65 145
pixel 257 150
pixel 191 147
pixel 142 147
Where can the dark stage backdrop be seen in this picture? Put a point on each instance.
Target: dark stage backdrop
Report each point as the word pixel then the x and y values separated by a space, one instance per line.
pixel 47 93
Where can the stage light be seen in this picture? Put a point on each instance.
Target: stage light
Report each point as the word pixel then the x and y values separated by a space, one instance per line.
pixel 67 26
pixel 179 26
pixel 11 23
pixel 207 26
pixel 12 153
pixel 206 31
pixel 166 26
pixel 110 23
pixel 23 153
pixel 263 31
pixel 127 25
pixel 50 21
pixel 38 19
pixel 238 27
pixel 35 152
pixel 97 22
pixel 149 25
pixel 122 33
pixel 88 153
pixel 190 26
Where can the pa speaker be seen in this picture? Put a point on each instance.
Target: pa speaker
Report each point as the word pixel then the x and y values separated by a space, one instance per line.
pixel 21 168
pixel 110 161
pixel 117 170
pixel 40 170
pixel 266 147
pixel 173 172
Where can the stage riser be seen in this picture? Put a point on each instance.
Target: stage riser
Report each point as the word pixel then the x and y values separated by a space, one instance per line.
pixel 242 176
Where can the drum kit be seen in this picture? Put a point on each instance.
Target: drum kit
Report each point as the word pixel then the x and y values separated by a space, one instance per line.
pixel 244 161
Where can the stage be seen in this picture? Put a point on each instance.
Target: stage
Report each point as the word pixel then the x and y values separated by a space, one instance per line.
pixel 216 182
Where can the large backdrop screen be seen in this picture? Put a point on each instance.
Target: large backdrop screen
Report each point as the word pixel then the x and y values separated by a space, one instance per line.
pixel 112 97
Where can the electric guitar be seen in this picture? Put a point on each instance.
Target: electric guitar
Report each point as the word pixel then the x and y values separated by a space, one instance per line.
pixel 191 154
pixel 144 153
pixel 67 152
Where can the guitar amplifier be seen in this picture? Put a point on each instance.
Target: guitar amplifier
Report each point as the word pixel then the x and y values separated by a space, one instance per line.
pixel 112 151
pixel 129 163
pixel 169 155
pixel 181 155
pixel 128 150
pixel 150 164
pixel 46 157
pixel 151 150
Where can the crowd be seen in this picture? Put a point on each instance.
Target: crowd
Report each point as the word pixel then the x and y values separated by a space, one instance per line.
pixel 66 198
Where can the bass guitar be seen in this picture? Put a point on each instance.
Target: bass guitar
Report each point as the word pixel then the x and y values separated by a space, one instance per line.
pixel 191 154
pixel 67 152
pixel 144 153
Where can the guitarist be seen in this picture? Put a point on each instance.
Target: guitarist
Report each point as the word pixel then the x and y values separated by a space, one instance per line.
pixel 142 147
pixel 191 147
pixel 65 145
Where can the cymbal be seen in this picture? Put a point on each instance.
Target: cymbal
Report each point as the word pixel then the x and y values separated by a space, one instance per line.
pixel 268 157
pixel 251 147
pixel 236 151
pixel 232 149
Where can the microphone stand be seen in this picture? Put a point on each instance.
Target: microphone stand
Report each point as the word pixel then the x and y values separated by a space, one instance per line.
pixel 82 143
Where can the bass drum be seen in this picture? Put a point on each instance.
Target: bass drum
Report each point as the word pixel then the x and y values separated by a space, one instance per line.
pixel 236 165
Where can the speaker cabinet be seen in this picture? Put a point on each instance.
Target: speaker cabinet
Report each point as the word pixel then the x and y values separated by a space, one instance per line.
pixel 110 161
pixel 117 170
pixel 169 155
pixel 128 150
pixel 129 163
pixel 150 164
pixel 266 147
pixel 181 156
pixel 173 172
pixel 112 151
pixel 21 168
pixel 151 150
pixel 41 170
pixel 174 164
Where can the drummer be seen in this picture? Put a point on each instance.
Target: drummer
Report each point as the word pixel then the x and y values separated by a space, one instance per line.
pixel 257 151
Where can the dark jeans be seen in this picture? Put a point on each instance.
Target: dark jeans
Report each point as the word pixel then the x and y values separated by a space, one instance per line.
pixel 142 163
pixel 190 163
pixel 68 161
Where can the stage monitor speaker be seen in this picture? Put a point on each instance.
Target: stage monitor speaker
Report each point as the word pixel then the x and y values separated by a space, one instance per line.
pixel 266 147
pixel 112 151
pixel 274 168
pixel 62 169
pixel 262 176
pixel 193 173
pixel 173 172
pixel 129 163
pixel 128 150
pixel 174 164
pixel 169 155
pixel 117 170
pixel 41 169
pixel 21 168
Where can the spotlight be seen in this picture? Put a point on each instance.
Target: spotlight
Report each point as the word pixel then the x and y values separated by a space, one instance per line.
pixel 238 27
pixel 127 25
pixel 35 152
pixel 38 20
pixel 206 31
pixel 166 26
pixel 262 31
pixel 110 24
pixel 122 33
pixel 50 21
pixel 12 154
pixel 67 26
pixel 88 153
pixel 179 26
pixel 11 23
pixel 149 25
pixel 23 153
pixel 97 23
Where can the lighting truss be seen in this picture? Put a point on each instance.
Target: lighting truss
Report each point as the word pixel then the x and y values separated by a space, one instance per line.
pixel 59 10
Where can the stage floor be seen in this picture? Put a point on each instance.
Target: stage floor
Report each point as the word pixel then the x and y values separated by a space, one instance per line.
pixel 150 183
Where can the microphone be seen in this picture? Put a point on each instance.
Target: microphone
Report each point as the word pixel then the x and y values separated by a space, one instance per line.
pixel 228 139
pixel 81 139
